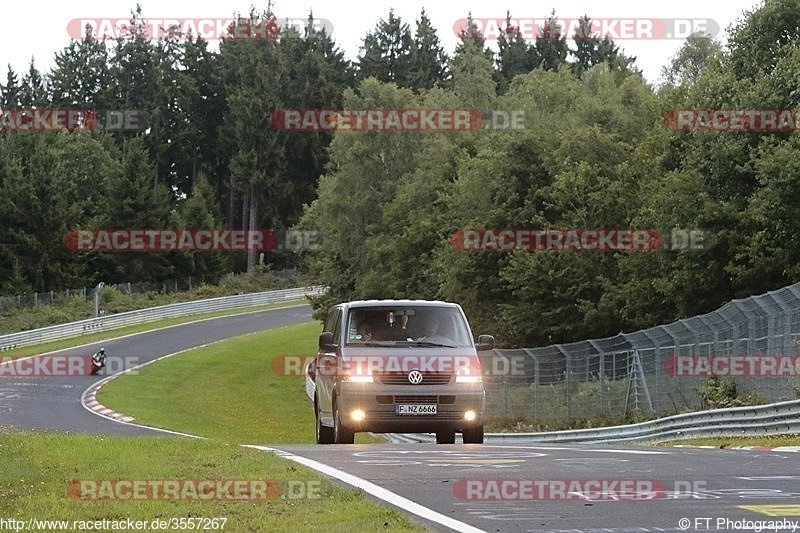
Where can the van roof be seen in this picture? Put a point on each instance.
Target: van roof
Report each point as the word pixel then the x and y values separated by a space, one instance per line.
pixel 387 302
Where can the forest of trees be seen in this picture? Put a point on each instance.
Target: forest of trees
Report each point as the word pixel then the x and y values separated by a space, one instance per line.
pixel 595 154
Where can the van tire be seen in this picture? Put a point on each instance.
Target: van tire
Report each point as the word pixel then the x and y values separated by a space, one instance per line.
pixel 447 436
pixel 473 435
pixel 324 433
pixel 341 433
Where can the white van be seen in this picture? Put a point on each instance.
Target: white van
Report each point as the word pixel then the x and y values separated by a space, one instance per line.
pixel 405 366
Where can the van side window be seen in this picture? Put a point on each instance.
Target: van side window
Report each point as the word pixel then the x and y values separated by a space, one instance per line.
pixel 337 327
pixel 330 321
pixel 333 324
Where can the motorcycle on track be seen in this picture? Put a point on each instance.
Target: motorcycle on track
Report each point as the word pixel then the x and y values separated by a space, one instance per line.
pixel 98 361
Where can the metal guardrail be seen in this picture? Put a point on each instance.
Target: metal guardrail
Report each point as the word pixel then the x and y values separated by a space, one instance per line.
pixel 141 316
pixel 773 419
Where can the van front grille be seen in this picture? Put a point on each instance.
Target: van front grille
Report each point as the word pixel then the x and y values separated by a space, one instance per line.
pixel 428 378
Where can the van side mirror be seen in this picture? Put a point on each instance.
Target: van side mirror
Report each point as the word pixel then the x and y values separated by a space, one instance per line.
pixel 326 342
pixel 485 342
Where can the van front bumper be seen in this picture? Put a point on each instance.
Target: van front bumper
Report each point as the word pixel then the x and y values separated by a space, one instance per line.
pixel 377 403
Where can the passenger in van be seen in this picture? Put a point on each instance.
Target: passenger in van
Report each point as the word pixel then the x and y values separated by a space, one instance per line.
pixel 365 331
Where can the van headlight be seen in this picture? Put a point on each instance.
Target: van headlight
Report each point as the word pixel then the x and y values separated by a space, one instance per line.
pixel 469 375
pixel 358 379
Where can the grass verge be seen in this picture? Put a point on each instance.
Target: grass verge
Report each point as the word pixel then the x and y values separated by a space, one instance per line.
pixel 37 469
pixel 728 442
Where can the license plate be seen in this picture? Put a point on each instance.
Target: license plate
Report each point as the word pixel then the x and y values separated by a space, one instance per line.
pixel 415 409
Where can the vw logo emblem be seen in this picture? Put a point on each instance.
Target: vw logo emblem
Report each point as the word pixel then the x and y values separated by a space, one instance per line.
pixel 415 377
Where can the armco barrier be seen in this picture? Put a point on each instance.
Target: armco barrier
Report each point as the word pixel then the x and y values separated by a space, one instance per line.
pixel 782 418
pixel 130 318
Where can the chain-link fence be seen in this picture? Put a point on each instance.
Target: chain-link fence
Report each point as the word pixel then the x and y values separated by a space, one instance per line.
pixel 657 371
pixel 10 303
pixel 21 301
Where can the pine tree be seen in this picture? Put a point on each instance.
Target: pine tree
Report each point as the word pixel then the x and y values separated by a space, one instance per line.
pixel 428 58
pixel 387 52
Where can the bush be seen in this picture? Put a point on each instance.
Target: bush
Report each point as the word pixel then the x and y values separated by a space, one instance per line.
pixel 722 393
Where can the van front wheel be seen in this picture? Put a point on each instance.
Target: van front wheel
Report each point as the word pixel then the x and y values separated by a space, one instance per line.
pixel 324 433
pixel 447 436
pixel 473 435
pixel 341 433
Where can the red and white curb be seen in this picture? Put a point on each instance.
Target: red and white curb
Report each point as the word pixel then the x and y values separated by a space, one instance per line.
pixel 91 403
pixel 89 396
pixel 751 448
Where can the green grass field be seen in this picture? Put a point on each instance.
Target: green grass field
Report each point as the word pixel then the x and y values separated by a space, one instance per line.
pixel 37 470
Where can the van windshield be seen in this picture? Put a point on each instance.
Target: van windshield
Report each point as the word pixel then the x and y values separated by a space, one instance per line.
pixel 408 326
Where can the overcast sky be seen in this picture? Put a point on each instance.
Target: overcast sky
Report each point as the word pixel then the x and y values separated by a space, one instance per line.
pixel 37 28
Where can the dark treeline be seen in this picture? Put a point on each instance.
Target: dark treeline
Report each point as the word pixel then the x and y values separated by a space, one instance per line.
pixel 595 154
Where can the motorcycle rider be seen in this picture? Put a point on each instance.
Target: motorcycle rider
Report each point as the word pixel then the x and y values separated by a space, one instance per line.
pixel 100 357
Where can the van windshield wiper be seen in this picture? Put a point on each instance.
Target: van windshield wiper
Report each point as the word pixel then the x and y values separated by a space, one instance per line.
pixel 373 343
pixel 429 344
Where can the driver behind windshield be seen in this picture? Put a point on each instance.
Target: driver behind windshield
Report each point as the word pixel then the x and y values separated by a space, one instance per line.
pixel 430 328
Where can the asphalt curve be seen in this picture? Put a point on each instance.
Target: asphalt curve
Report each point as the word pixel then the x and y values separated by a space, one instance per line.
pixel 53 403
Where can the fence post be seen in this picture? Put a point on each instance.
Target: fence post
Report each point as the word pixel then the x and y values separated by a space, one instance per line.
pixel 568 367
pixel 641 379
pixel 505 396
pixel 97 298
pixel 602 378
